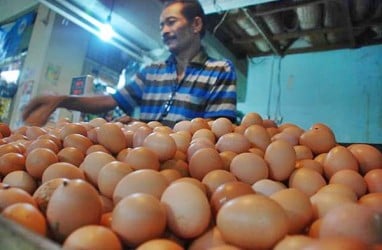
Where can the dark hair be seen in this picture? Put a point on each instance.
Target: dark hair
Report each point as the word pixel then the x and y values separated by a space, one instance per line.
pixel 191 9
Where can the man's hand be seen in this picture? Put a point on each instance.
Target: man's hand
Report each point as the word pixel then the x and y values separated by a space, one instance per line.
pixel 38 110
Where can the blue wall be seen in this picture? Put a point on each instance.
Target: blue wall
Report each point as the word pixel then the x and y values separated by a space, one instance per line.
pixel 341 88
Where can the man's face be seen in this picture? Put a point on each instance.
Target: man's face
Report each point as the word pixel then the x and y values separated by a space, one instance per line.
pixel 177 33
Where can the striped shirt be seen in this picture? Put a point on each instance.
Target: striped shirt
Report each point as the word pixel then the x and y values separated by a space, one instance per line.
pixel 208 90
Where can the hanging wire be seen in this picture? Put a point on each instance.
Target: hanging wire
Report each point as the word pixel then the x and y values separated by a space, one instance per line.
pixel 270 90
pixel 111 11
pixel 278 115
pixel 220 22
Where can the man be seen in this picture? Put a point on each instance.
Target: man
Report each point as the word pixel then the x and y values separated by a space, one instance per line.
pixel 187 85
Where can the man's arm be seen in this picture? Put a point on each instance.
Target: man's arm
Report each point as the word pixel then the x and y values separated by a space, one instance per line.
pixel 38 110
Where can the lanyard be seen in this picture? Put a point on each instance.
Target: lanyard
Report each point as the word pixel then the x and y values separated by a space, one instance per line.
pixel 168 104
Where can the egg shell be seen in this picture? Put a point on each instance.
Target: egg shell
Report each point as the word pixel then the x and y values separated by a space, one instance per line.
pixel 263 222
pixel 71 155
pixel 221 126
pixel 109 176
pixel 249 167
pixel 188 210
pixel 72 128
pixel 21 179
pixel 142 158
pixel 234 142
pixel 75 203
pixel 77 141
pixel 92 237
pixel 373 180
pixel 281 159
pixel 11 195
pixel 10 162
pixel 338 158
pixel 138 218
pixel 62 170
pixel 111 136
pixel 258 136
pixel 162 144
pixel 93 163
pixel 367 156
pixel 319 138
pixel 146 181
pixel 267 187
pixel 306 180
pixel 215 178
pixel 203 161
pixel 38 160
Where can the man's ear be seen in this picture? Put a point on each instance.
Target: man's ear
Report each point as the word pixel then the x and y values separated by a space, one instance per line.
pixel 197 25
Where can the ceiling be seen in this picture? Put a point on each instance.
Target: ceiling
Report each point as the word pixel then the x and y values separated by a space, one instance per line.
pixel 247 28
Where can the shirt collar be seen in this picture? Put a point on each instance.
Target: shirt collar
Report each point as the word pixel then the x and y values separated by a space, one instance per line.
pixel 198 59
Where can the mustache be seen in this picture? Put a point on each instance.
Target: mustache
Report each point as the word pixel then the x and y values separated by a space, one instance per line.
pixel 167 37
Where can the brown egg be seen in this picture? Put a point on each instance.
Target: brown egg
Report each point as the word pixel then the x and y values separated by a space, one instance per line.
pixel 319 138
pixel 43 193
pixel 367 156
pixel 52 137
pixel 78 141
pixel 228 191
pixel 184 125
pixel 268 123
pixel 267 187
pixel 160 244
pixel 38 160
pixel 312 164
pixel 321 158
pixel 272 131
pixel 197 183
pixel 258 136
pixel 92 135
pixel 307 180
pixel 297 207
pixel 93 163
pixel 249 168
pixel 234 142
pixel 373 201
pixel 227 157
pixel 203 161
pixel 5 130
pixel 373 180
pixel 27 216
pixel 109 176
pixel 146 181
pixel 338 242
pixel 251 118
pixel 10 162
pixel 281 159
pixel 215 178
pixel 162 144
pixel 352 179
pixel 182 140
pixel 12 195
pixel 142 158
pixel 73 204
pixel 62 170
pixel 8 148
pixel 188 210
pixel 197 144
pixel 171 174
pixel 179 165
pixel 32 132
pixel 303 152
pixel 97 122
pixel 198 123
pixel 330 197
pixel 338 158
pixel 111 136
pixel 204 133
pixel 21 179
pixel 293 242
pixel 72 128
pixel 363 222
pixel 145 212
pixel 71 155
pixel 97 147
pixel 92 237
pixel 288 137
pixel 221 126
pixel 211 238
pixel 42 143
pixel 140 134
pixel 263 222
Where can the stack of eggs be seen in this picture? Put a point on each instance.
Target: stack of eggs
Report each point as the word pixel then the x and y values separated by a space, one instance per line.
pixel 202 184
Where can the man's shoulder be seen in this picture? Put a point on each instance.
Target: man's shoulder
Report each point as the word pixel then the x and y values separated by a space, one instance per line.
pixel 224 63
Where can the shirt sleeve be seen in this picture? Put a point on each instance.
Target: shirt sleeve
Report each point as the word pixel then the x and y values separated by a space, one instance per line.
pixel 130 95
pixel 223 97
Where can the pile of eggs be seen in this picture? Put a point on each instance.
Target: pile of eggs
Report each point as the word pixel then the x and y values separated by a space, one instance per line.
pixel 202 184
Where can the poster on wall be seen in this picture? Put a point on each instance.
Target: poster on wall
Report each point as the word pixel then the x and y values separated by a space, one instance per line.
pixel 5 105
